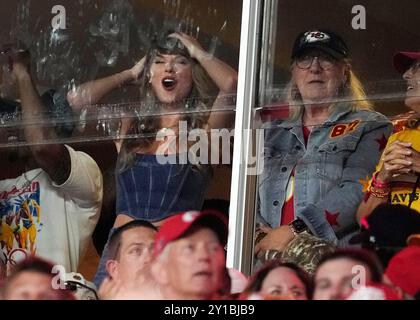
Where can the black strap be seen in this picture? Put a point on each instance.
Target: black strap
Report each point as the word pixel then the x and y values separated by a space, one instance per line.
pixel 413 193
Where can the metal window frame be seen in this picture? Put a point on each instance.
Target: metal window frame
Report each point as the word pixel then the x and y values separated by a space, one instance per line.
pixel 242 201
pixel 256 65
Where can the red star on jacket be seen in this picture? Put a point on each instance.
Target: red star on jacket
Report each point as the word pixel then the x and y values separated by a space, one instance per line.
pixel 332 218
pixel 382 142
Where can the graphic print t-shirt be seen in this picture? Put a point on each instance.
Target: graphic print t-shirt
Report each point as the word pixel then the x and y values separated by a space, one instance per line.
pixel 51 221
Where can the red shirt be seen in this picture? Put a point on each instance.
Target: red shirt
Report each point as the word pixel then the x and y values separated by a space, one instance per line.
pixel 288 210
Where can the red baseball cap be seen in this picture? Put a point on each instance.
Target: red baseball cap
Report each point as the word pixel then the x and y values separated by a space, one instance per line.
pixel 403 270
pixel 404 59
pixel 178 225
pixel 374 291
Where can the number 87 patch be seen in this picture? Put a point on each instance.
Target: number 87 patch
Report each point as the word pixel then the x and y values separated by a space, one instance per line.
pixel 343 129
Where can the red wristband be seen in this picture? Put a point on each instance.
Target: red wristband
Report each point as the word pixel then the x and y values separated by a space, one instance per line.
pixel 377 184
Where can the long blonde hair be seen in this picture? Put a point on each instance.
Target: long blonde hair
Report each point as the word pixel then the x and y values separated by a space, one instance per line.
pixel 148 123
pixel 352 89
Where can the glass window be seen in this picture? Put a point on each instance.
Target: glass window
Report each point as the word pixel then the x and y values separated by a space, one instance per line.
pixel 329 86
pixel 146 88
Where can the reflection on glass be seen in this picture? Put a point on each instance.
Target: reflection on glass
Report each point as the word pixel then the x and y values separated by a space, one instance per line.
pixel 307 151
pixel 148 92
pixel 316 157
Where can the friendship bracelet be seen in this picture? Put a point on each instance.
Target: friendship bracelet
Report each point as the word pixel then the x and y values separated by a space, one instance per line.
pixel 377 184
pixel 380 193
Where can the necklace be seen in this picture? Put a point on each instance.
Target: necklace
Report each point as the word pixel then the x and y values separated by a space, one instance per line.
pixel 28 182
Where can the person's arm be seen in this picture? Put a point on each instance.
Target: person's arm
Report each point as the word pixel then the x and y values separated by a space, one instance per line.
pixel 223 75
pixel 54 159
pixel 341 202
pixel 92 92
pixel 367 205
pixel 398 158
pixel 275 239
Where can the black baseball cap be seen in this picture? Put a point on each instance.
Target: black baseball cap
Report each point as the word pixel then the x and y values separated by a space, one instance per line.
pixel 323 40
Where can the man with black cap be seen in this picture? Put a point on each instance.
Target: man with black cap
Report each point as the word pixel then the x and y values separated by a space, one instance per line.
pixel 189 258
pixel 398 173
pixel 314 161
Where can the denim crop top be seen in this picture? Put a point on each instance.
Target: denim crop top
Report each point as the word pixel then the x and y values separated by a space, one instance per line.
pixel 152 191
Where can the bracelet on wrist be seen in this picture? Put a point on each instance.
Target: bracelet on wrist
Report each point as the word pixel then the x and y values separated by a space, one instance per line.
pixel 378 184
pixel 380 193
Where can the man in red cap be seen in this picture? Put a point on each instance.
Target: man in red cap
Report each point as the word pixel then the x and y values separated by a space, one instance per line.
pixel 189 257
pixel 403 271
pixel 398 174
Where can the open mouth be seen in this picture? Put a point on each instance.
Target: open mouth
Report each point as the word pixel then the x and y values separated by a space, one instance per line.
pixel 169 83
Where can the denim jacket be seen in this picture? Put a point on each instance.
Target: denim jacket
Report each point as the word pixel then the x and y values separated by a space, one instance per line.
pixel 329 171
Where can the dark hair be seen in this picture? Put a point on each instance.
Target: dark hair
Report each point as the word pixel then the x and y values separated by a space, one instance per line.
pixel 8 106
pixel 390 225
pixel 57 111
pixel 114 243
pixel 257 279
pixel 34 264
pixel 38 265
pixel 362 256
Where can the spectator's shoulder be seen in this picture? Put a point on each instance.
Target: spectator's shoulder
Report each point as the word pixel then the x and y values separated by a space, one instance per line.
pixel 373 120
pixel 80 159
pixel 372 115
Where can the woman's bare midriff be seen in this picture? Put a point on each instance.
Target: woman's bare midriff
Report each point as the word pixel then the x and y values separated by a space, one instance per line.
pixel 122 219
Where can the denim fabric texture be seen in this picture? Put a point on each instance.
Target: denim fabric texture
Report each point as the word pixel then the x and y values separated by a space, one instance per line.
pixel 153 191
pixel 329 170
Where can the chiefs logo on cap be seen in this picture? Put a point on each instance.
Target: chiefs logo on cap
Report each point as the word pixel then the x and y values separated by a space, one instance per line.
pixel 315 36
pixel 190 216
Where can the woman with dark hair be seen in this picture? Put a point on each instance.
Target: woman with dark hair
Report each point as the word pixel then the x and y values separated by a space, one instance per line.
pixel 174 78
pixel 343 271
pixel 398 173
pixel 278 279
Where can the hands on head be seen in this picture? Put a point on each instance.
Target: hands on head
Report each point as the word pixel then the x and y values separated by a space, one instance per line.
pixel 194 48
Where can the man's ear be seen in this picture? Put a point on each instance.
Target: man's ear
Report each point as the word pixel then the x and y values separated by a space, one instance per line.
pixel 159 272
pixel 112 268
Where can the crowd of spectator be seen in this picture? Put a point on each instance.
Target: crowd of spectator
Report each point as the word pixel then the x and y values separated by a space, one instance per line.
pixel 322 233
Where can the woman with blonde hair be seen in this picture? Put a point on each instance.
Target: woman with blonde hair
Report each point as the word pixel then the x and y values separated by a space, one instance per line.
pixel 174 78
pixel 315 161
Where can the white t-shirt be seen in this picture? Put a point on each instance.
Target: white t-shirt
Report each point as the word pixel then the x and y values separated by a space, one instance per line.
pixel 49 220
